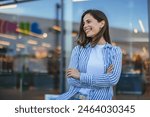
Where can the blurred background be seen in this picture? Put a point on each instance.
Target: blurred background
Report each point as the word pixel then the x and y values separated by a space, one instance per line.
pixel 37 36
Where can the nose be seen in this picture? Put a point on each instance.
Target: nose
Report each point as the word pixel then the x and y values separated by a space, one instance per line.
pixel 85 25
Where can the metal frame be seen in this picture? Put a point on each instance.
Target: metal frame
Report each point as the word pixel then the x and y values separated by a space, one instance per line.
pixel 62 56
pixel 148 6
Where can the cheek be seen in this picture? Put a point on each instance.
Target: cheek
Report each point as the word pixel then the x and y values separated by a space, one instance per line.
pixel 96 30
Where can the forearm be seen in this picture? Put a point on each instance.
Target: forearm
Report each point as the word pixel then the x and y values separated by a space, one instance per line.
pixel 74 82
pixel 104 80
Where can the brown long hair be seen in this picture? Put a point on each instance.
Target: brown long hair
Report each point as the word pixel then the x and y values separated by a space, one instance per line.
pixel 82 40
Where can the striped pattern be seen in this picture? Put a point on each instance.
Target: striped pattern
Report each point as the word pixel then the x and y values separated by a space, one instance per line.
pixel 101 86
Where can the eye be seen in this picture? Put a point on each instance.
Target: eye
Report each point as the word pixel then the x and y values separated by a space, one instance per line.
pixel 88 21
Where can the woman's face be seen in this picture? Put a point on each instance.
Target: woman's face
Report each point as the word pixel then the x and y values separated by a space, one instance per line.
pixel 91 26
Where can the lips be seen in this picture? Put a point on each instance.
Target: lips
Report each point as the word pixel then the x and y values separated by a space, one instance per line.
pixel 87 30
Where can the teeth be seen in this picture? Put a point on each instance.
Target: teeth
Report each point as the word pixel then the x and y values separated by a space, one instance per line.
pixel 87 30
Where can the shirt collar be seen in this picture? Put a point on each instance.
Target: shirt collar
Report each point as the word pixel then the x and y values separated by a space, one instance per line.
pixel 107 45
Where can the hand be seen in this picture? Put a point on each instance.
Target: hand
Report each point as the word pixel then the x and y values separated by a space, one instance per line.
pixel 110 69
pixel 73 73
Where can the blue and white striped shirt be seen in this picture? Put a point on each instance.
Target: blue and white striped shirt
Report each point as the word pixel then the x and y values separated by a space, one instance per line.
pixel 102 85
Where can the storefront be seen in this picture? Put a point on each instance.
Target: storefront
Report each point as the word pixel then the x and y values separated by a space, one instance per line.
pixel 34 51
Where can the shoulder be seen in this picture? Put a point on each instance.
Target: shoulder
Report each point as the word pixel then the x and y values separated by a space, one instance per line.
pixel 116 51
pixel 117 48
pixel 113 50
pixel 76 48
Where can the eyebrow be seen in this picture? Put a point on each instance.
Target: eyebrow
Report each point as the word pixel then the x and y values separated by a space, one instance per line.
pixel 86 20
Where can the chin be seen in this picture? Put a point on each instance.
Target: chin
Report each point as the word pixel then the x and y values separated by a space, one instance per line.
pixel 88 35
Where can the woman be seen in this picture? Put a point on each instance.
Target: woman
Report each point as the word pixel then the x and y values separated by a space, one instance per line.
pixel 95 64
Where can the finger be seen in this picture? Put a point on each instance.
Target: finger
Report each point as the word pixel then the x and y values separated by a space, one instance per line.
pixel 110 66
pixel 109 70
pixel 69 71
pixel 69 75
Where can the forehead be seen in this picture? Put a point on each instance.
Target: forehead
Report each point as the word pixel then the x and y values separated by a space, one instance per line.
pixel 87 17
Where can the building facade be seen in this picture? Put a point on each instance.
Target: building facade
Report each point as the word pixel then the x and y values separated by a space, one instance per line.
pixel 36 44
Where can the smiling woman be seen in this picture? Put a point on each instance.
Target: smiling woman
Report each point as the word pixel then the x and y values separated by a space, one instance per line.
pixel 95 64
pixel 90 59
pixel 93 25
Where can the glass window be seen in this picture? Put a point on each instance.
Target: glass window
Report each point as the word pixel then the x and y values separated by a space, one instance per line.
pixel 30 48
pixel 31 41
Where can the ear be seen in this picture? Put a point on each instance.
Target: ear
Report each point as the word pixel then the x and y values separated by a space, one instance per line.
pixel 102 23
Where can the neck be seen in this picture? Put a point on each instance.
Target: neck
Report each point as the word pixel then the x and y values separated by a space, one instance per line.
pixel 101 41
